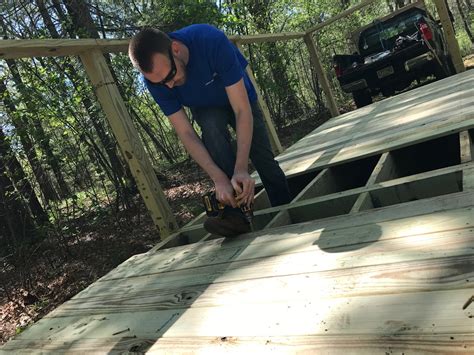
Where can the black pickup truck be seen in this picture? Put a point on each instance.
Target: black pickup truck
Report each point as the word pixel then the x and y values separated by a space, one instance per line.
pixel 392 52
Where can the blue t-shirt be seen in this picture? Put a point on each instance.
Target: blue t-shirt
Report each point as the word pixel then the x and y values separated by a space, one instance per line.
pixel 214 63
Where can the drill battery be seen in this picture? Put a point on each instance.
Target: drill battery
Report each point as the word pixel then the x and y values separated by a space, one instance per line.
pixel 214 207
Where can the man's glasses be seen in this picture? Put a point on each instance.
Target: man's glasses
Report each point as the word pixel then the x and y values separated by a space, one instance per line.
pixel 172 72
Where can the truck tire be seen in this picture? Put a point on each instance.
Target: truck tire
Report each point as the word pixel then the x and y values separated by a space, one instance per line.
pixel 447 69
pixel 362 98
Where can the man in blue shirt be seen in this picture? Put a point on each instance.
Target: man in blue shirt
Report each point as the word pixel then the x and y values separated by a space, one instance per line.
pixel 199 67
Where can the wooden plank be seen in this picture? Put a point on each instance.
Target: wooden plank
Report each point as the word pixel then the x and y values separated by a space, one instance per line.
pixel 339 16
pixel 428 217
pixel 323 209
pixel 26 48
pixel 269 37
pixel 129 141
pixel 272 133
pixel 363 203
pixel 301 210
pixel 408 180
pixel 386 119
pixel 253 263
pixel 403 120
pixel 321 74
pixel 384 170
pixel 417 190
pixel 466 144
pixel 363 344
pixel 450 36
pixel 358 229
pixel 445 273
pixel 261 200
pixel 379 316
pixel 322 184
pixel 468 179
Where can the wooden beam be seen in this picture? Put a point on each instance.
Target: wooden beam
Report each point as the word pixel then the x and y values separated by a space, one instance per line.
pixel 466 144
pixel 433 216
pixel 272 133
pixel 129 141
pixel 450 36
pixel 269 37
pixel 321 74
pixel 402 189
pixel 322 184
pixel 26 48
pixel 384 170
pixel 418 190
pixel 379 186
pixel 339 16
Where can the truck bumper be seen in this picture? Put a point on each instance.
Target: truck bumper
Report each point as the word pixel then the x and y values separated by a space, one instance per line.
pixel 355 85
pixel 418 61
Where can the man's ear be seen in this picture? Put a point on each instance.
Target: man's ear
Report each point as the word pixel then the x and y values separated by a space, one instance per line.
pixel 175 48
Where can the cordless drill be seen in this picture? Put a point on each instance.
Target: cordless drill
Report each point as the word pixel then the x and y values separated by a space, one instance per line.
pixel 214 207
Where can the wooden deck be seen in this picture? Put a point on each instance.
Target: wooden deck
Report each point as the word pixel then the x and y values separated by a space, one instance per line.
pixel 374 255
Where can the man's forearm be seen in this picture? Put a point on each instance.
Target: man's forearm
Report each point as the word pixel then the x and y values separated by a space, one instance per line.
pixel 199 153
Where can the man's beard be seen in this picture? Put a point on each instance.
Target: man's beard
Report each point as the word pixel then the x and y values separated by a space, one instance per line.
pixel 182 80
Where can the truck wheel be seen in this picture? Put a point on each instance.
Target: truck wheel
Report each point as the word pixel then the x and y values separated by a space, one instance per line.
pixel 447 69
pixel 362 98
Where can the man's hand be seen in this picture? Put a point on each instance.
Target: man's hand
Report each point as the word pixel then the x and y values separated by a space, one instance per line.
pixel 225 192
pixel 244 187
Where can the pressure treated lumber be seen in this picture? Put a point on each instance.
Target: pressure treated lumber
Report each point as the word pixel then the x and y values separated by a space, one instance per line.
pixel 384 170
pixel 450 36
pixel 403 276
pixel 129 141
pixel 272 134
pixel 321 74
pixel 329 344
pixel 435 110
pixel 439 213
pixel 26 48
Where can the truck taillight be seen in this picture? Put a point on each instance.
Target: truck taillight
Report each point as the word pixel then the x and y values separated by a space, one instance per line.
pixel 338 70
pixel 426 31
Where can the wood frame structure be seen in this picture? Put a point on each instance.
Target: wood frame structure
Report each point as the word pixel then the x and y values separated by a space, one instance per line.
pixel 374 253
pixel 90 51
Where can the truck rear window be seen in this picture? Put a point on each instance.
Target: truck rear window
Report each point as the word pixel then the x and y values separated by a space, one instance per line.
pixel 382 35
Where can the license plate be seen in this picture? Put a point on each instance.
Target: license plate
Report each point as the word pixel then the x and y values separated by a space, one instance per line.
pixel 382 73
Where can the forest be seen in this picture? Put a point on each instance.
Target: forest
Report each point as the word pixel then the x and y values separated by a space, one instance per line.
pixel 70 210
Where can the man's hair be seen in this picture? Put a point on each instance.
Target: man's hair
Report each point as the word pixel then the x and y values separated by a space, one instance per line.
pixel 146 43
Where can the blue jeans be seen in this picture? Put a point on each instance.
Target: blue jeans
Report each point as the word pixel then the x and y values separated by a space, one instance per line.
pixel 214 123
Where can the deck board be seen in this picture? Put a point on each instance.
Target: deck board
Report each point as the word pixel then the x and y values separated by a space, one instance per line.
pixel 431 111
pixel 387 280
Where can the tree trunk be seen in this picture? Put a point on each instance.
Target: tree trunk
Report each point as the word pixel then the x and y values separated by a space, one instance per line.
pixel 16 223
pixel 286 95
pixel 146 127
pixel 21 127
pixel 465 21
pixel 10 163
pixel 84 27
pixel 47 19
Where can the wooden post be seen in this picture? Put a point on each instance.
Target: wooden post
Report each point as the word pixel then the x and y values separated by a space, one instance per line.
pixel 129 141
pixel 272 134
pixel 448 30
pixel 316 62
